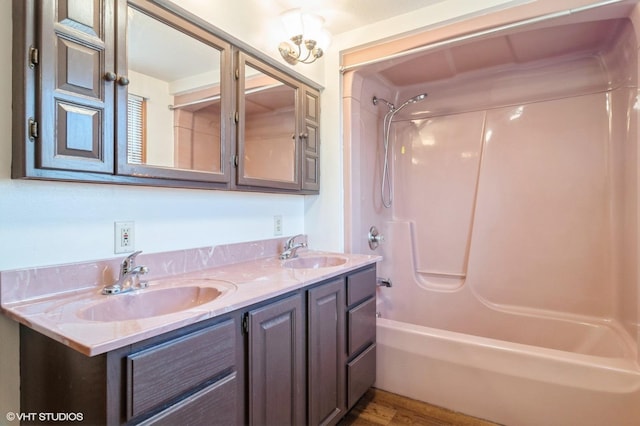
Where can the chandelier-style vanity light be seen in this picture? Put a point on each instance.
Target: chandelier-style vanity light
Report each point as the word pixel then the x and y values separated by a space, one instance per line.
pixel 307 34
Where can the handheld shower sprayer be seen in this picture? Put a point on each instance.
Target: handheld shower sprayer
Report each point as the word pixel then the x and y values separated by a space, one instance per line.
pixel 413 100
pixel 386 189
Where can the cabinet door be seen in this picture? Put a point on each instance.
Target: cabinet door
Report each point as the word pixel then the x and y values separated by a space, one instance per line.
pixel 310 140
pixel 268 126
pixel 276 364
pixel 177 122
pixel 326 356
pixel 75 59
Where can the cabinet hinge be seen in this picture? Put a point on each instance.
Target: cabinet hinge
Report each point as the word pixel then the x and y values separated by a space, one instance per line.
pixel 245 324
pixel 33 129
pixel 34 57
pixel 236 117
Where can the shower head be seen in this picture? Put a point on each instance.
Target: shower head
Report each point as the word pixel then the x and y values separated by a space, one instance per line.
pixel 393 108
pixel 417 98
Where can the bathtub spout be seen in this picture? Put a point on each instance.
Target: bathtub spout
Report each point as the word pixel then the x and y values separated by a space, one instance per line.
pixel 384 282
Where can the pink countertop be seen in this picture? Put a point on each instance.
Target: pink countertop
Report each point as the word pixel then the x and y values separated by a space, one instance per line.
pixel 44 300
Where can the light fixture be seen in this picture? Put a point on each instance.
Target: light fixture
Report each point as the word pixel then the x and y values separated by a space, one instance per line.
pixel 307 34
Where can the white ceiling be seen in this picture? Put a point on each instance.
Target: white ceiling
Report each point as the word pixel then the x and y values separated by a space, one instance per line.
pixel 344 15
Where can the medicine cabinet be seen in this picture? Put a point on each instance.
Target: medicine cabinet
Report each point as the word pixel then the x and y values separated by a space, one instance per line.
pixel 278 128
pixel 142 92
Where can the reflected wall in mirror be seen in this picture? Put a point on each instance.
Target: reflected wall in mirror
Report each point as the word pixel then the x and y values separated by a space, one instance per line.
pixel 174 105
pixel 270 144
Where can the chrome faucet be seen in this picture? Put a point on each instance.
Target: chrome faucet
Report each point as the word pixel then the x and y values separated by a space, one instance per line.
pixel 291 247
pixel 129 279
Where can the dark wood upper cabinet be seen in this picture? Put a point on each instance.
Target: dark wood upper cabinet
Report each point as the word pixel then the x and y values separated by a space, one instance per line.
pixel 310 167
pixel 67 104
pixel 143 92
pixel 177 101
pixel 278 129
pixel 76 102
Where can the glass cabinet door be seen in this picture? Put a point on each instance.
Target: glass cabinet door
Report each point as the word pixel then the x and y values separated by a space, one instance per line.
pixel 178 84
pixel 268 128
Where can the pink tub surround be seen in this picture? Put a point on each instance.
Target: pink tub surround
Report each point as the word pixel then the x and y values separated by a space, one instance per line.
pixel 512 240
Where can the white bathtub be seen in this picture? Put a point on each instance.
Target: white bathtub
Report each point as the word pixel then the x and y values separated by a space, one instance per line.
pixel 508 383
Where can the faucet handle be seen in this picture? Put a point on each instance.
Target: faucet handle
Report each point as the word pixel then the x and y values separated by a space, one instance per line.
pixel 128 263
pixel 289 244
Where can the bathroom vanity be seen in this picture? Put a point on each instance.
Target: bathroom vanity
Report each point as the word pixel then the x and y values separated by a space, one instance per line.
pixel 302 352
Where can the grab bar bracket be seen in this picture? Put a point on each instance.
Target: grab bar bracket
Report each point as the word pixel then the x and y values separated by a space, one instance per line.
pixel 384 282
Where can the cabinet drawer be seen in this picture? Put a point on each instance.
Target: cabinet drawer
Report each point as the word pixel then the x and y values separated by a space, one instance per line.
pixel 163 372
pixel 361 285
pixel 361 374
pixel 214 405
pixel 362 326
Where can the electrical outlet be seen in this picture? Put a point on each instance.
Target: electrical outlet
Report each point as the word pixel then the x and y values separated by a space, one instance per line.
pixel 123 238
pixel 277 225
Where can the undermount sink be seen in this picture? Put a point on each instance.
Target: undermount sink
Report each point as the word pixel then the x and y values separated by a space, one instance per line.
pixel 151 302
pixel 314 262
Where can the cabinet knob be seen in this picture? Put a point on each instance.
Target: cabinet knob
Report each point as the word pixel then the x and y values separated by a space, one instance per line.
pixel 123 81
pixel 110 76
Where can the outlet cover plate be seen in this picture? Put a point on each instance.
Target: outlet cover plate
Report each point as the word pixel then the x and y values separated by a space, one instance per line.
pixel 277 225
pixel 123 237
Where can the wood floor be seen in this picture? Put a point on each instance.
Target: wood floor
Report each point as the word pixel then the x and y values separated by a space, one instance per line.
pixel 378 407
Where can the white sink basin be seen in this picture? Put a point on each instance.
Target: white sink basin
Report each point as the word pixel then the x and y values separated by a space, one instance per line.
pixel 151 302
pixel 314 262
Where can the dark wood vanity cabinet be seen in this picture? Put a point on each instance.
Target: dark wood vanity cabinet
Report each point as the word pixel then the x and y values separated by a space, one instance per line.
pixel 301 358
pixel 276 355
pixel 361 334
pixel 190 376
pixel 205 361
pixel 341 344
pixel 326 359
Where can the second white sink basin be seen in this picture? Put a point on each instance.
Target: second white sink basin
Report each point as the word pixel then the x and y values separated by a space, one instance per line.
pixel 151 302
pixel 314 262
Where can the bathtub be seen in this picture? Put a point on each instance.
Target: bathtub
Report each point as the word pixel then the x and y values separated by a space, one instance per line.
pixel 505 382
pixel 452 347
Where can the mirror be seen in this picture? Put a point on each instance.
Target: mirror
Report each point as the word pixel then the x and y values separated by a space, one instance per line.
pixel 269 151
pixel 174 118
